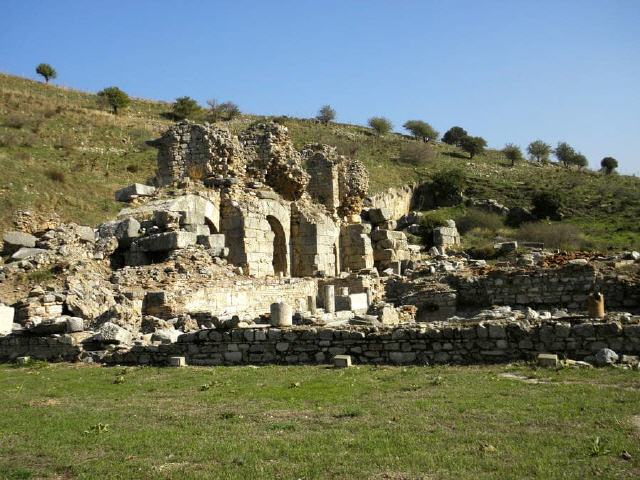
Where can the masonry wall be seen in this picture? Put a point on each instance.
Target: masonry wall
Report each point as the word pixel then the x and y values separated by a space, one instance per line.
pixel 399 201
pixel 481 343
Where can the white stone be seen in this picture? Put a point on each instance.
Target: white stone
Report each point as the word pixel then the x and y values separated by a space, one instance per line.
pixel 6 319
pixel 342 361
pixel 281 315
pixel 177 361
pixel 135 190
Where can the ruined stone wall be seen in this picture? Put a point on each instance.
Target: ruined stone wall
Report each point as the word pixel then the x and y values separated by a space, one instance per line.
pixel 481 343
pixel 323 177
pixel 356 252
pixel 398 201
pixel 567 286
pixel 314 244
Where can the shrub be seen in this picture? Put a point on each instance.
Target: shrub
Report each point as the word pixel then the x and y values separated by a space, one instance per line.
pixel 421 130
pixel 224 111
pixel 16 120
pixel 132 168
pixel 475 218
pixel 47 71
pixel 29 139
pixel 554 235
pixel 326 114
pixel 55 175
pixel 446 187
pixel 380 125
pixel 114 98
pixel 608 164
pixel 580 160
pixel 416 153
pixel 184 107
pixel 473 145
pixel 513 153
pixel 564 153
pixel 547 204
pixel 539 151
pixel 454 135
pixel 9 139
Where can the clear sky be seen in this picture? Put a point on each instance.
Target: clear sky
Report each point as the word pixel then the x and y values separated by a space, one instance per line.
pixel 508 70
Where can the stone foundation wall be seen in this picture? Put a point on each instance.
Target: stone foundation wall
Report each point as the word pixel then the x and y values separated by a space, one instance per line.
pixel 481 343
pixel 399 201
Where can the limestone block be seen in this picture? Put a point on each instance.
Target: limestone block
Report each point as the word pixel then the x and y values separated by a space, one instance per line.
pixel 200 230
pixel 135 190
pixel 549 360
pixel 342 361
pixel 358 302
pixel 112 333
pixel 23 360
pixel 25 253
pixel 6 319
pixel 281 315
pixel 162 242
pixel 215 242
pixel 14 241
pixel 124 229
pixel 380 215
pixel 86 234
pixel 177 361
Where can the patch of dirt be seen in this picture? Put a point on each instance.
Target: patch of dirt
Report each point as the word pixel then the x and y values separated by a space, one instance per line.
pixel 521 378
pixel 398 476
pixel 49 402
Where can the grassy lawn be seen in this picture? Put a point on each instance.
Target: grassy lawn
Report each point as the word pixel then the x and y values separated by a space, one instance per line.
pixel 76 421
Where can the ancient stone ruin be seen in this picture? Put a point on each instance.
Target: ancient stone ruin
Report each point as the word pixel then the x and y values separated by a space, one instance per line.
pixel 245 250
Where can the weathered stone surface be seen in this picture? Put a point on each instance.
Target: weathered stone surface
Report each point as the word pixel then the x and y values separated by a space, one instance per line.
pixel 124 230
pixel 6 319
pixel 605 356
pixel 25 253
pixel 548 360
pixel 162 242
pixel 135 190
pixel 112 333
pixel 281 315
pixel 14 241
pixel 342 361
pixel 177 361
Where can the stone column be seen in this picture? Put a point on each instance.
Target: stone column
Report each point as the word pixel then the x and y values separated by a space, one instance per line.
pixel 281 315
pixel 329 299
pixel 311 304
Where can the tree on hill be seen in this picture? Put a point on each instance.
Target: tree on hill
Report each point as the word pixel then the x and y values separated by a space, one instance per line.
pixel 473 145
pixel 47 71
pixel 380 125
pixel 184 107
pixel 539 151
pixel 420 129
pixel 326 114
pixel 114 98
pixel 513 153
pixel 565 153
pixel 580 160
pixel 609 164
pixel 454 135
pixel 547 204
pixel 224 111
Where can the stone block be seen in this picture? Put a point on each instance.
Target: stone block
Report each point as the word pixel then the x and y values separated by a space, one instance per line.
pixel 163 242
pixel 135 190
pixel 213 242
pixel 14 241
pixel 281 315
pixel 547 360
pixel 358 302
pixel 380 215
pixel 23 360
pixel 112 334
pixel 6 319
pixel 177 361
pixel 124 230
pixel 200 230
pixel 342 361
pixel 25 253
pixel 74 324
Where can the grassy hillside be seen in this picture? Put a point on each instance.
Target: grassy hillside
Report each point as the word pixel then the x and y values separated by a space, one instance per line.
pixel 61 151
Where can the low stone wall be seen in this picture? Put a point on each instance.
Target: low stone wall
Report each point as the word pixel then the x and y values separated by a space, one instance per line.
pixel 464 344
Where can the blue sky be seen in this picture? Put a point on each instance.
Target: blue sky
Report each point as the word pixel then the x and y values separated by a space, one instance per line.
pixel 508 70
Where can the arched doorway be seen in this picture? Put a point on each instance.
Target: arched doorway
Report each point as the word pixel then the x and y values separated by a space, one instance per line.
pixel 279 246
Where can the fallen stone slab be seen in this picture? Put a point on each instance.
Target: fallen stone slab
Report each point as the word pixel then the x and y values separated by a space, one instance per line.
pixel 548 360
pixel 177 361
pixel 25 253
pixel 163 242
pixel 342 361
pixel 133 191
pixel 112 334
pixel 14 241
pixel 6 319
pixel 124 230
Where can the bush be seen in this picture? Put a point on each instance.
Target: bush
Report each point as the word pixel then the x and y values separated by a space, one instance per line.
pixel 421 130
pixel 446 187
pixel 9 139
pixel 224 111
pixel 46 71
pixel 565 153
pixel 380 125
pixel 454 135
pixel 326 114
pixel 554 235
pixel 547 205
pixel 608 164
pixel 184 107
pixel 114 98
pixel 416 154
pixel 475 218
pixel 55 175
pixel 473 145
pixel 16 120
pixel 539 151
pixel 513 153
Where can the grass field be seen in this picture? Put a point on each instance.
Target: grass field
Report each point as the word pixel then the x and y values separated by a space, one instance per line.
pixel 74 421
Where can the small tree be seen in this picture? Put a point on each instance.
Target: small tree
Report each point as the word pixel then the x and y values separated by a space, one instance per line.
pixel 46 71
pixel 609 164
pixel 184 107
pixel 473 145
pixel 454 135
pixel 447 186
pixel 539 151
pixel 114 98
pixel 224 111
pixel 580 160
pixel 421 130
pixel 513 153
pixel 565 153
pixel 380 125
pixel 326 114
pixel 547 205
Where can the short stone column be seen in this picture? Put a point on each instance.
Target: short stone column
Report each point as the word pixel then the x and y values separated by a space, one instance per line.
pixel 311 304
pixel 281 315
pixel 329 299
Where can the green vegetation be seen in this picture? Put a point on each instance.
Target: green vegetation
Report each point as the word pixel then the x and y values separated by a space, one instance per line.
pixel 185 107
pixel 326 114
pixel 44 129
pixel 512 153
pixel 46 71
pixel 380 125
pixel 225 111
pixel 473 145
pixel 115 98
pixel 539 151
pixel 421 130
pixel 76 421
pixel 609 164
pixel 547 205
pixel 454 135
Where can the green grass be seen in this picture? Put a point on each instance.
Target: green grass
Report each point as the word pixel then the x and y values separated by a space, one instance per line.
pixel 62 151
pixel 74 421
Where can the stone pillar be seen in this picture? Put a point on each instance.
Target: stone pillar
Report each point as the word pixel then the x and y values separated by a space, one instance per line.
pixel 369 295
pixel 281 315
pixel 343 291
pixel 311 304
pixel 329 299
pixel 595 305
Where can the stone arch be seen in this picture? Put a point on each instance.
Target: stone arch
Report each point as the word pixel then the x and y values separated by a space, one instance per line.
pixel 279 262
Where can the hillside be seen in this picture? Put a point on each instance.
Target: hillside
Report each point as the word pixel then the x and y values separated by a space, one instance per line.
pixel 61 151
